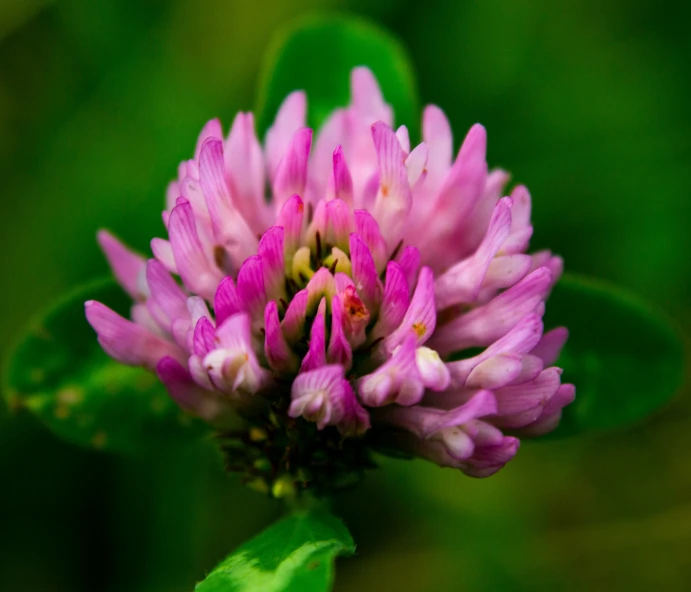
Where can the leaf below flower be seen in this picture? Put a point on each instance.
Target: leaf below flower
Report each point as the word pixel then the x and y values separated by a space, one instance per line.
pixel 59 372
pixel 296 554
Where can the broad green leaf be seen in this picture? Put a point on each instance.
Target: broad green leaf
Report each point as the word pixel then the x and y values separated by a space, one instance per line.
pixel 317 54
pixel 625 358
pixel 59 372
pixel 294 555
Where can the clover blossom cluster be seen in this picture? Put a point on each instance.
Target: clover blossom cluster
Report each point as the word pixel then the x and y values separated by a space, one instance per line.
pixel 376 291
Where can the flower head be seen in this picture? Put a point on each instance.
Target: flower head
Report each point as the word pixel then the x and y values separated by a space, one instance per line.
pixel 378 294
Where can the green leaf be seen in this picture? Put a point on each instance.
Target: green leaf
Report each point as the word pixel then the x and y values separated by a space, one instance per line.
pixel 294 555
pixel 625 358
pixel 59 372
pixel 317 54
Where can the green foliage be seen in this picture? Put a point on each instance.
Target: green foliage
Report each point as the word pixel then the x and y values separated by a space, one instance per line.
pixel 294 555
pixel 625 358
pixel 60 373
pixel 317 56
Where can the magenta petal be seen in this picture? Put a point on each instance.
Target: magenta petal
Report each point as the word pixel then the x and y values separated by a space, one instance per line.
pixel 368 230
pixel 127 266
pixel 356 420
pixel 409 260
pixel 394 303
pixel 365 273
pixel 198 274
pixel 341 179
pixel 279 355
pixel 339 351
pixel 203 339
pixel 226 301
pixel 271 253
pixel 293 323
pixel 316 354
pixel 421 317
pixel 250 287
pixel 126 341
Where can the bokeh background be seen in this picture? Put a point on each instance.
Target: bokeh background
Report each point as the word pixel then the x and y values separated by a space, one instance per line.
pixel 585 101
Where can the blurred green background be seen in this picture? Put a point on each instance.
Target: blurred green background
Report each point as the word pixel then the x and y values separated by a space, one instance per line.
pixel 585 101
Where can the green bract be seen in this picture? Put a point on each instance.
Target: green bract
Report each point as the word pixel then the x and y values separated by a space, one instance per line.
pixel 60 373
pixel 294 555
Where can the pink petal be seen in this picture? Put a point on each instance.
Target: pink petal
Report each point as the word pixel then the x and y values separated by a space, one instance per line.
pixel 127 265
pixel 462 282
pixel 342 182
pixel 230 229
pixel 396 381
pixel 409 260
pixel 403 138
pixel 167 302
pixel 367 98
pixel 291 173
pixel 394 199
pixel 126 341
pixel 416 164
pixel 212 129
pixel 198 274
pixel 164 253
pixel 244 166
pixel 291 219
pixel 551 344
pixel 520 340
pixel 489 322
pixel 318 396
pixel 436 133
pixel 290 117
